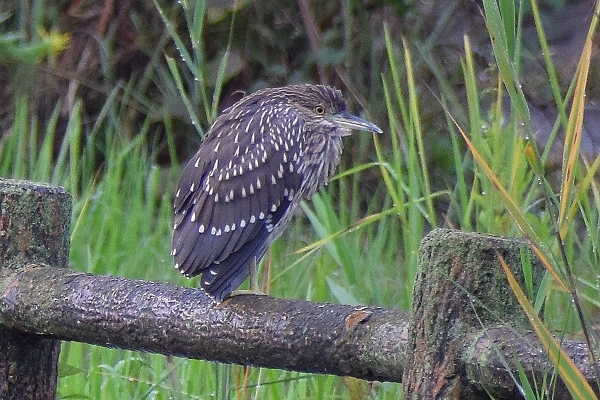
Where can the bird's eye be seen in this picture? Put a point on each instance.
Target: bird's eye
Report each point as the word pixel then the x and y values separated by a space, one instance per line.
pixel 319 110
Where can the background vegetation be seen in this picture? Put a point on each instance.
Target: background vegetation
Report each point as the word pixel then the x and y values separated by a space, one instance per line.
pixel 109 100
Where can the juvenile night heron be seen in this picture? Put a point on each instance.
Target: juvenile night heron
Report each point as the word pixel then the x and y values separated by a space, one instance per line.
pixel 257 162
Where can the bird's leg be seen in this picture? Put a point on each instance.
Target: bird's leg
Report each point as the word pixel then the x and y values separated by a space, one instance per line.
pixel 252 267
pixel 254 287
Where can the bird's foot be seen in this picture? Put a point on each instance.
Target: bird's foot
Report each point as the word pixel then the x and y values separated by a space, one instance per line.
pixel 245 292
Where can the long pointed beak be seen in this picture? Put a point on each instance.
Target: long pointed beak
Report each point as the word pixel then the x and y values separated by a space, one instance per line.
pixel 349 121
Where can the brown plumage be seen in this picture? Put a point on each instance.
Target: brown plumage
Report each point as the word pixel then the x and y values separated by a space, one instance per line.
pixel 257 162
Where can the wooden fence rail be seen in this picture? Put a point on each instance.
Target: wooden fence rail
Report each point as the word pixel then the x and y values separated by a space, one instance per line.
pixel 462 339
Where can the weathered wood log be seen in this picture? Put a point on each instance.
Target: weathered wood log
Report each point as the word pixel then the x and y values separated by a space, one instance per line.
pixel 34 228
pixel 364 342
pixel 492 355
pixel 466 322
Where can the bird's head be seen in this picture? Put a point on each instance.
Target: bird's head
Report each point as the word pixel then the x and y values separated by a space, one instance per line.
pixel 324 109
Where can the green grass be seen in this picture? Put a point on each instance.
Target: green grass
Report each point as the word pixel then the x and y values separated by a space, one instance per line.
pixel 357 240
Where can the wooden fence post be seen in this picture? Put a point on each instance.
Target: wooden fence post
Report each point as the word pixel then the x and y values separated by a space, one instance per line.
pixel 34 228
pixel 461 290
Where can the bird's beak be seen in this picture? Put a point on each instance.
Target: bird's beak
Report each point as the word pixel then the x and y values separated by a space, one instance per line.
pixel 348 121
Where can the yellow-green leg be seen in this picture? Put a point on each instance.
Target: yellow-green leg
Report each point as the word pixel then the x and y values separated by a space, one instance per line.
pixel 253 270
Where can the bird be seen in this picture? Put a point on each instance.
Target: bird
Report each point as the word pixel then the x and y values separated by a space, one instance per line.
pixel 259 159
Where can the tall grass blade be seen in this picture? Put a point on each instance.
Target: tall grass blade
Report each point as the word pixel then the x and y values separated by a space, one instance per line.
pixel 574 127
pixel 571 375
pixel 514 210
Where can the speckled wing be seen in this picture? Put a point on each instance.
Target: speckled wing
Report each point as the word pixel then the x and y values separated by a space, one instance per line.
pixel 234 192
